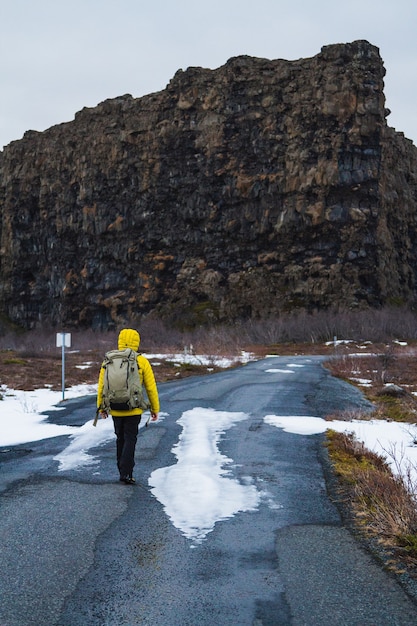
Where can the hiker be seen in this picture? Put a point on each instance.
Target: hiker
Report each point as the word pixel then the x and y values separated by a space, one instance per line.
pixel 126 420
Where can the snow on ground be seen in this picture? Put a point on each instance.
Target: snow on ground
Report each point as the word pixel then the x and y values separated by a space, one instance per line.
pixel 20 419
pixel 200 488
pixel 190 358
pixel 21 422
pixel 395 441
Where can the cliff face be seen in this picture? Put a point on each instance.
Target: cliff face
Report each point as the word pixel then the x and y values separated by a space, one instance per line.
pixel 259 187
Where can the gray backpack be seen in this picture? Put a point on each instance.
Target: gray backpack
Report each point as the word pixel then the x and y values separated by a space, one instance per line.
pixel 122 390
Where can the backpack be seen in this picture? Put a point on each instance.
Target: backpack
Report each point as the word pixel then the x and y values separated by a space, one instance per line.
pixel 122 390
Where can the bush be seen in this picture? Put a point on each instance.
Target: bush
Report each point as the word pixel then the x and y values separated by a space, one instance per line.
pixel 377 326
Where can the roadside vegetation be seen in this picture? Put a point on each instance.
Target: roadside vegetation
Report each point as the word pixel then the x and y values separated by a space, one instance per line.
pixel 376 350
pixel 380 506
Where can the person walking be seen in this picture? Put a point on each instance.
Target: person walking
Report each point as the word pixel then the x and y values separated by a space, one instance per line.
pixel 126 422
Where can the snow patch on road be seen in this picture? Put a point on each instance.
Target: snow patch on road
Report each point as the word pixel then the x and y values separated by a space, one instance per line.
pixel 199 490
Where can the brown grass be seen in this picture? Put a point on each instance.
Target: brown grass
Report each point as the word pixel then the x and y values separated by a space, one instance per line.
pixel 35 372
pixel 381 506
pixel 380 364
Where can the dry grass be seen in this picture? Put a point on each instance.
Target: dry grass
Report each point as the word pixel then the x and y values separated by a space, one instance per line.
pixel 379 364
pixel 32 360
pixel 35 372
pixel 387 376
pixel 381 506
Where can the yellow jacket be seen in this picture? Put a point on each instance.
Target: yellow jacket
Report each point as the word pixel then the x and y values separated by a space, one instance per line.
pixel 129 338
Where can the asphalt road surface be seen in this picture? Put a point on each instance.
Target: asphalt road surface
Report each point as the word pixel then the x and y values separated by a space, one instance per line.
pixel 78 548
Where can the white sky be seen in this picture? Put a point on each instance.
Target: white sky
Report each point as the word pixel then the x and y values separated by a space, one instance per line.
pixel 200 489
pixel 57 56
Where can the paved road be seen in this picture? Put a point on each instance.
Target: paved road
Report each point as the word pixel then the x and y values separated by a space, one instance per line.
pixel 80 549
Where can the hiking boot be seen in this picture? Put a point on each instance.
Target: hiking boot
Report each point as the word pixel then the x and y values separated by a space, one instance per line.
pixel 128 480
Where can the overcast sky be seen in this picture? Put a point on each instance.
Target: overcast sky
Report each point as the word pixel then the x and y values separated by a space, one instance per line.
pixel 58 56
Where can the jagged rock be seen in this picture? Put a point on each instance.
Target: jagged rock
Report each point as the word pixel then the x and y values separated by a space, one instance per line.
pixel 256 188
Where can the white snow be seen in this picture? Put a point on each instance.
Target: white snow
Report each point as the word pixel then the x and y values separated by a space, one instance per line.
pixel 202 359
pixel 395 441
pixel 76 454
pixel 201 488
pixel 20 419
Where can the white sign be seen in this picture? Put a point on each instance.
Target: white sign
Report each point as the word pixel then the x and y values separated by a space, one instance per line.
pixel 63 339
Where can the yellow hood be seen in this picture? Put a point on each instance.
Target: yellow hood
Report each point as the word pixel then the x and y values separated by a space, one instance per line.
pixel 129 338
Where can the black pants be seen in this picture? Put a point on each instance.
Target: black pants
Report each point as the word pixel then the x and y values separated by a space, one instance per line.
pixel 126 429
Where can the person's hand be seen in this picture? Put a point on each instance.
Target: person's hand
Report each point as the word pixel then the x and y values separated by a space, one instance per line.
pixel 154 417
pixel 104 415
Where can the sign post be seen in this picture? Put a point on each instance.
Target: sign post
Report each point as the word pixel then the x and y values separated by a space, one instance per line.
pixel 63 340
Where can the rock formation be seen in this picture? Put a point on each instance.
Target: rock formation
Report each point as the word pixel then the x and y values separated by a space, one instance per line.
pixel 259 187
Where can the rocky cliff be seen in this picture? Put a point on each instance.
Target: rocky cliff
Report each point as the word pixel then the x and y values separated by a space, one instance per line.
pixel 259 187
